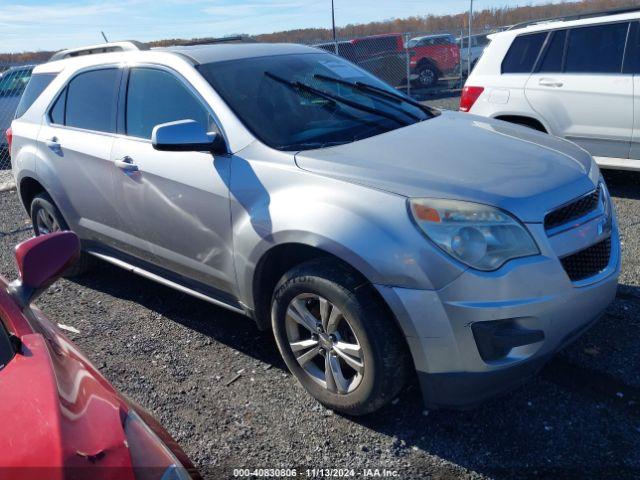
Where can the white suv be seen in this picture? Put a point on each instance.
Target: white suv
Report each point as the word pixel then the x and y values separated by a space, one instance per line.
pixel 572 77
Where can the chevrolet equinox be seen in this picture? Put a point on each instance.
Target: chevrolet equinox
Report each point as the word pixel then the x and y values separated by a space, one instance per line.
pixel 375 236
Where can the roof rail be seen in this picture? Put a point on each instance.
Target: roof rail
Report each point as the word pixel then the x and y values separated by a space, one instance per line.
pixel 211 41
pixel 578 16
pixel 126 46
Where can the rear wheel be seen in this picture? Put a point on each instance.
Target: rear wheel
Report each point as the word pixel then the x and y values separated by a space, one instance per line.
pixel 46 218
pixel 337 338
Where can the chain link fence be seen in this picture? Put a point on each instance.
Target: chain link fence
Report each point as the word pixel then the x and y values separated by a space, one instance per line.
pixel 13 81
pixel 423 64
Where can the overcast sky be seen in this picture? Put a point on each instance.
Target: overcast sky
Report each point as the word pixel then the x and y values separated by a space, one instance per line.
pixel 55 24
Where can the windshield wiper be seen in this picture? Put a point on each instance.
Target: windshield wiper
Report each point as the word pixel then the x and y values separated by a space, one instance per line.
pixel 299 86
pixel 365 87
pixel 310 145
pixel 379 93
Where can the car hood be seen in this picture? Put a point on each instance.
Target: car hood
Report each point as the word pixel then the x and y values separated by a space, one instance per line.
pixel 61 412
pixel 464 157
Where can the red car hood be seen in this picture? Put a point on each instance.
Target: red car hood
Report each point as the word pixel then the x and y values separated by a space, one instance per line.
pixel 60 417
pixel 60 413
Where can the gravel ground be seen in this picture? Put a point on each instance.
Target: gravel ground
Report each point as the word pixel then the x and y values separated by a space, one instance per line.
pixel 447 102
pixel 176 355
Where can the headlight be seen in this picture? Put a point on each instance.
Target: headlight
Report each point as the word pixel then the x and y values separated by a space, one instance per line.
pixel 480 236
pixel 150 457
pixel 606 204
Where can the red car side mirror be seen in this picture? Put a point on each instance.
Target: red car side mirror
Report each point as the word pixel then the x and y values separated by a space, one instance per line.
pixel 41 261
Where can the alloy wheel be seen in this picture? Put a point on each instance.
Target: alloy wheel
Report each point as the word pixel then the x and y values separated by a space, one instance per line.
pixel 324 343
pixel 46 222
pixel 426 77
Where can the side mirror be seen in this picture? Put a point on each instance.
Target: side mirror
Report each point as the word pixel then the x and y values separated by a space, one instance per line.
pixel 41 261
pixel 185 136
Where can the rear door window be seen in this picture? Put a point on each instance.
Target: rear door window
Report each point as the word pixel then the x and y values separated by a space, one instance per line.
pixel 596 49
pixel 554 54
pixel 35 87
pixel 156 96
pixel 523 53
pixel 92 100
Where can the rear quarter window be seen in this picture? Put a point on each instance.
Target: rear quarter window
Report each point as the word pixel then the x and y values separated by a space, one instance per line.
pixel 37 84
pixel 56 114
pixel 523 53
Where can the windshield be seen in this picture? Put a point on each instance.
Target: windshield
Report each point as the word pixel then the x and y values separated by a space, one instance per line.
pixel 305 101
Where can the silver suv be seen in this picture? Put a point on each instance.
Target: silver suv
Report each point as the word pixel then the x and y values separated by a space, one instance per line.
pixel 374 235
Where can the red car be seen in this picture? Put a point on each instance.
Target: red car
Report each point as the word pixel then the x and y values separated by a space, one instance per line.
pixel 430 57
pixel 433 56
pixel 61 419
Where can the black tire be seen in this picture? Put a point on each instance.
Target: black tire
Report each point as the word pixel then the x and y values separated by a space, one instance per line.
pixel 428 76
pixel 385 358
pixel 43 204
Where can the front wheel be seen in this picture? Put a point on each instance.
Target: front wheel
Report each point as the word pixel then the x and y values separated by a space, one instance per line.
pixel 337 338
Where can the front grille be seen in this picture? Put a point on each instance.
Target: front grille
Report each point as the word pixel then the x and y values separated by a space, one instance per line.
pixel 573 210
pixel 588 262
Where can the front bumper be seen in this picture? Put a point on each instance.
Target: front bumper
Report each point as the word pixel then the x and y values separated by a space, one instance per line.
pixel 527 295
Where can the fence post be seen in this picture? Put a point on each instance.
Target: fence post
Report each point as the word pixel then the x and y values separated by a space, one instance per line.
pixel 461 50
pixel 469 39
pixel 408 61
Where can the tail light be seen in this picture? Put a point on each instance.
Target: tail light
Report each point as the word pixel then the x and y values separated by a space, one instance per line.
pixel 469 97
pixel 9 135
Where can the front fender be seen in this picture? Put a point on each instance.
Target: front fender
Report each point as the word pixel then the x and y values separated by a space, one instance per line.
pixel 274 204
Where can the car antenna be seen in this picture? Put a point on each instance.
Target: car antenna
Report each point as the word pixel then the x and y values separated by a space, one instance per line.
pixel 104 36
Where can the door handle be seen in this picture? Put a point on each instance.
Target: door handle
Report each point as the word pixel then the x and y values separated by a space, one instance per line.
pixel 52 142
pixel 550 82
pixel 126 164
pixel 54 145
